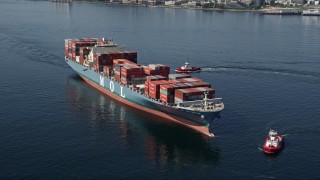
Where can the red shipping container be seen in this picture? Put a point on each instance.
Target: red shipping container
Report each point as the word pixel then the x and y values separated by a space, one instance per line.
pixel 118 61
pixel 132 71
pixel 131 68
pixel 131 56
pixel 152 89
pixel 148 71
pixel 122 61
pixel 164 67
pixel 102 59
pixel 168 87
pixel 132 75
pixel 167 99
pixel 154 86
pixel 183 85
pixel 146 91
pixel 116 55
pixel 174 81
pixel 194 93
pixel 153 94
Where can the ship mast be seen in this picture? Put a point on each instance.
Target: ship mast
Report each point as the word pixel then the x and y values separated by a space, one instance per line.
pixel 205 100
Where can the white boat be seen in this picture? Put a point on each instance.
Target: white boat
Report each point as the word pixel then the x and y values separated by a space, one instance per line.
pixel 311 12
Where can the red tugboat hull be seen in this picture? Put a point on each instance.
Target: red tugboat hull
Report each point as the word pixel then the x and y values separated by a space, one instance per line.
pixel 269 149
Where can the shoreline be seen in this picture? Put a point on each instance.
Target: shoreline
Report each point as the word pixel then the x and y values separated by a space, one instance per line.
pixel 214 9
pixel 261 10
pixel 177 7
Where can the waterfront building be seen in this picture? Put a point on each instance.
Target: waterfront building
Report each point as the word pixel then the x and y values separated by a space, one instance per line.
pixel 258 3
pixel 288 2
pixel 247 2
pixel 169 3
pixel 312 2
pixel 156 2
pixel 190 4
pixel 300 2
pixel 145 2
pixel 115 1
pixel 125 1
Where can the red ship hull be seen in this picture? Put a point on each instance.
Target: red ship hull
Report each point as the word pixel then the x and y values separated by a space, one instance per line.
pixel 269 149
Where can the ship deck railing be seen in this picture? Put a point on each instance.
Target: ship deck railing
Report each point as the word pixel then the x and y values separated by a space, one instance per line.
pixel 203 105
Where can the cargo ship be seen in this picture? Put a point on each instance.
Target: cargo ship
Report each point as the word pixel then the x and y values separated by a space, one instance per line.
pixel 150 88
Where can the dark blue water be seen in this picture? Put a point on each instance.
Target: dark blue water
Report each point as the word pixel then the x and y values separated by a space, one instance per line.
pixel 53 125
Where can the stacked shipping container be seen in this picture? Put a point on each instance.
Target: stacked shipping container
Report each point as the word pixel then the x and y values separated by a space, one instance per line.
pixel 122 65
pixel 100 60
pixel 179 76
pixel 188 80
pixel 154 88
pixel 117 72
pixel 132 74
pixel 167 91
pixel 157 69
pixel 73 50
pixel 151 78
pixel 192 94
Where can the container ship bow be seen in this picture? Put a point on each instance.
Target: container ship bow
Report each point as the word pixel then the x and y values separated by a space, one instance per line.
pixel 150 88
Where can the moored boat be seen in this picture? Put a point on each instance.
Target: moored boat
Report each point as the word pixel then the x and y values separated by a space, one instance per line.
pixel 311 12
pixel 282 11
pixel 186 69
pixel 273 143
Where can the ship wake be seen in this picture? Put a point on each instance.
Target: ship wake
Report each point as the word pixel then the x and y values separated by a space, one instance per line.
pixel 30 51
pixel 286 72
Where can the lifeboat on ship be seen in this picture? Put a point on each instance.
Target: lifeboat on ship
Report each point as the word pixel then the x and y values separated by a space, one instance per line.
pixel 186 69
pixel 273 143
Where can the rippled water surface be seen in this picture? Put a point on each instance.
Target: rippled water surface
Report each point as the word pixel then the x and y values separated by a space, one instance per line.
pixel 53 125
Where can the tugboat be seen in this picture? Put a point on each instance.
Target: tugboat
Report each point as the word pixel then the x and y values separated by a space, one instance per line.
pixel 273 143
pixel 187 69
